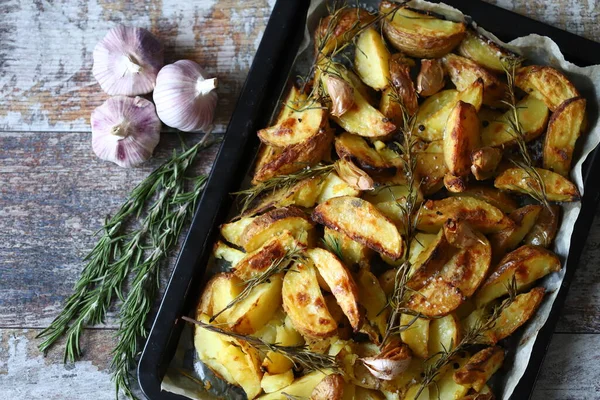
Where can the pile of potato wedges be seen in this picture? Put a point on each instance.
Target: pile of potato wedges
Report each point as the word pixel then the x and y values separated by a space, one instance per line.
pixel 477 227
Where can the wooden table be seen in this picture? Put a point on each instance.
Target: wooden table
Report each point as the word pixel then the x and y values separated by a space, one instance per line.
pixel 54 193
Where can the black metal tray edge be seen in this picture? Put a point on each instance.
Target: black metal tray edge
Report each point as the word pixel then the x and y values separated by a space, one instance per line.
pixel 254 108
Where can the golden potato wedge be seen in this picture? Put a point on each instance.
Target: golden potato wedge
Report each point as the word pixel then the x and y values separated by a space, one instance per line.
pixel 365 120
pixel 480 368
pixel 501 200
pixel 418 244
pixel 484 162
pixel 330 388
pixel 271 383
pixel 526 264
pixel 304 303
pixel 481 215
pixel 265 226
pixel 445 387
pixel 544 230
pixel 431 169
pixel 390 199
pixel 296 157
pixel 488 115
pixel 352 251
pixel 444 334
pixel 334 186
pixel 546 84
pixel 463 72
pixel 336 29
pixel 340 282
pixel 516 314
pixel 416 334
pixel 418 33
pixel 431 78
pixel 411 393
pixel 430 127
pixel 461 138
pixel 557 187
pixel 436 103
pixel 509 239
pixel 390 108
pixel 436 299
pixel 301 387
pixel 276 363
pixel 371 59
pixel 234 360
pixel 368 394
pixel 266 156
pixel 564 128
pixel 484 51
pixel 227 253
pixel 344 328
pixel 430 261
pixel 533 116
pixel 232 231
pixel 376 231
pixel 356 149
pixel 372 297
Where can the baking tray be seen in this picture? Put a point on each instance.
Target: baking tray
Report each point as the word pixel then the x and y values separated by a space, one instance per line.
pixel 264 85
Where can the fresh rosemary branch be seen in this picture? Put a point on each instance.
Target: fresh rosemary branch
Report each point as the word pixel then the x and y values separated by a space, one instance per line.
pixel 300 356
pixel 332 244
pixel 248 196
pixel 515 129
pixel 277 266
pixel 396 300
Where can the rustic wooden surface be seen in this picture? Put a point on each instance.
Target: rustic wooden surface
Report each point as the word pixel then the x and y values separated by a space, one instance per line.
pixel 54 193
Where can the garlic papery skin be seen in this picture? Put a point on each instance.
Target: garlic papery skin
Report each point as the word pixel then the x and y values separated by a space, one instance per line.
pixel 125 130
pixel 341 94
pixel 184 98
pixel 127 61
pixel 390 363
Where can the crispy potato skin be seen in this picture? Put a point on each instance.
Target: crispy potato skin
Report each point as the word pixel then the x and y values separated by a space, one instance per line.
pixel 342 25
pixel 480 367
pixel 558 188
pixel 330 388
pixel 356 149
pixel 376 231
pixel 509 239
pixel 431 78
pixel 423 36
pixel 484 51
pixel 547 84
pixel 564 129
pixel 461 137
pixel 544 230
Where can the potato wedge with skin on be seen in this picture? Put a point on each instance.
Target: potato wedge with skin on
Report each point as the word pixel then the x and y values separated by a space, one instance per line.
pixel 431 169
pixel 402 83
pixel 336 29
pixel 296 157
pixel 557 187
pixel 276 363
pixel 372 297
pixel 232 231
pixel 546 84
pixel 436 299
pixel 435 104
pixel 375 231
pixel 484 51
pixel 445 387
pixel 416 335
pixel 481 215
pixel 484 162
pixel 480 368
pixel 356 149
pixel 352 251
pixel 271 383
pixel 501 200
pixel 431 78
pixel 444 334
pixel 330 388
pixel 371 59
pixel 340 282
pixel 430 261
pixel 431 127
pixel 418 33
pixel 533 116
pixel 265 226
pixel 564 128
pixel 544 230
pixel 304 303
pixel 463 72
pixel 526 264
pixel 224 252
pixel 509 239
pixel 516 314
pixel 334 186
pixel 301 387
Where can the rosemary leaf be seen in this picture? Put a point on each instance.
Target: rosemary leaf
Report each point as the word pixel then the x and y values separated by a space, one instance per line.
pixel 332 244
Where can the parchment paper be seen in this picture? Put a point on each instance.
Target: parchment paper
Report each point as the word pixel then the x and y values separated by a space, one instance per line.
pixel 186 373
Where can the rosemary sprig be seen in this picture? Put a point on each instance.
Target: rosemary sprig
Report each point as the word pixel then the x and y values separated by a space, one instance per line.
pixel 248 196
pixel 332 244
pixel 300 355
pixel 396 301
pixel 277 266
pixel 515 129
pixel 475 335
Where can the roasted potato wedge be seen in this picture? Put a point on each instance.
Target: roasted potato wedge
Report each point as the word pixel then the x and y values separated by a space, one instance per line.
pixel 544 230
pixel 435 103
pixel 371 59
pixel 372 297
pixel 304 303
pixel 224 252
pixel 480 367
pixel 463 72
pixel 508 239
pixel 377 231
pixel 431 169
pixel 546 84
pixel 271 383
pixel 526 264
pixel 430 127
pixel 444 334
pixel 265 226
pixel 416 336
pixel 461 137
pixel 430 261
pixel 419 33
pixel 276 363
pixel 296 157
pixel 479 214
pixel 368 394
pixel 232 231
pixel 301 387
pixel 557 187
pixel 484 51
pixel 533 116
pixel 516 314
pixel 352 251
pixel 484 162
pixel 501 200
pixel 356 149
pixel 436 299
pixel 445 387
pixel 336 29
pixel 330 388
pixel 564 128
pixel 334 186
pixel 431 78
pixel 340 282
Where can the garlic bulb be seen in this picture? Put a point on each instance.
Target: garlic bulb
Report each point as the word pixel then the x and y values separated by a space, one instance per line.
pixel 341 94
pixel 184 98
pixel 125 130
pixel 393 360
pixel 352 175
pixel 127 61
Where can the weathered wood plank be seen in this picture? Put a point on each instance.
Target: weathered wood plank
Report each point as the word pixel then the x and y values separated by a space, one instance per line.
pixel 54 195
pixel 46 50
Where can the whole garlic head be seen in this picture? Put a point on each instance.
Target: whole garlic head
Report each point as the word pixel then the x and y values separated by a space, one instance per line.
pixel 184 98
pixel 125 130
pixel 127 60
